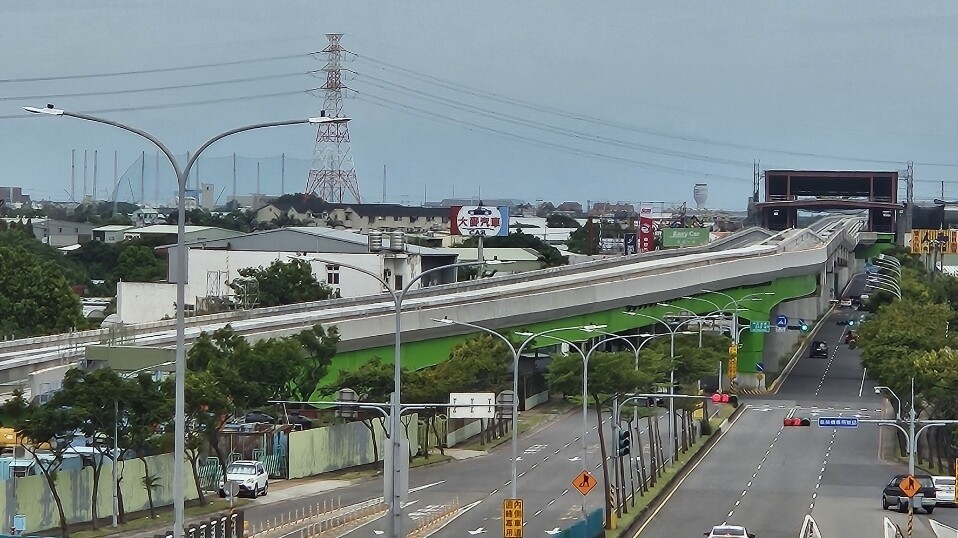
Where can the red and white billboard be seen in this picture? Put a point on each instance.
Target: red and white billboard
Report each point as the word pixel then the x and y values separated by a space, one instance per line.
pixel 478 220
pixel 646 234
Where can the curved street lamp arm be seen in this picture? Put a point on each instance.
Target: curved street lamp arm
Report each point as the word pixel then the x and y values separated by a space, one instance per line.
pixel 139 132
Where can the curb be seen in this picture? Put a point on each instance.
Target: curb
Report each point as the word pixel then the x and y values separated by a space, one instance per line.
pixel 643 515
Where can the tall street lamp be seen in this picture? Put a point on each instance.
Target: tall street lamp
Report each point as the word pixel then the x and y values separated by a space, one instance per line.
pixel 736 302
pixel 397 457
pixel 516 355
pixel 182 174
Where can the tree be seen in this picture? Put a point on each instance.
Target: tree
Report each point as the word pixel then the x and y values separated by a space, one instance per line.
pixel 95 396
pixel 52 424
pixel 319 348
pixel 584 240
pixel 284 283
pixel 138 263
pixel 609 374
pixel 372 382
pixel 145 408
pixel 35 297
pixel 558 220
pixel 550 255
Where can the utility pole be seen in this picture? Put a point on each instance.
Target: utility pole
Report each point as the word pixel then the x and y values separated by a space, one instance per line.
pixel 909 201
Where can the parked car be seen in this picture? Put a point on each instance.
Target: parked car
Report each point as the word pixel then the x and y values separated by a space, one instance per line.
pixel 248 477
pixel 296 419
pixel 818 350
pixel 257 416
pixel 729 531
pixel 944 489
pixel 893 496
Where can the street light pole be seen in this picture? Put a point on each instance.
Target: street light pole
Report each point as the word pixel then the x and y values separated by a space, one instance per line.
pixel 516 355
pixel 182 175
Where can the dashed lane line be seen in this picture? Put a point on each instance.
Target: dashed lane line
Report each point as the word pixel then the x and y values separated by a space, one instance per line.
pixel 821 473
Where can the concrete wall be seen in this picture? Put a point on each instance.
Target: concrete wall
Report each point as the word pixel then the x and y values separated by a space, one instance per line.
pixel 336 447
pixel 139 302
pixel 32 497
pixel 536 399
pixel 469 429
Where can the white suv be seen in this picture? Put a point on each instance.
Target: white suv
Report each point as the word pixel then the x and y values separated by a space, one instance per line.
pixel 944 489
pixel 729 531
pixel 247 477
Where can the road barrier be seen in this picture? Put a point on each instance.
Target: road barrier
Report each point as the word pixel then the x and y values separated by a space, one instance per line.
pixel 892 530
pixel 592 526
pixel 810 528
pixel 943 531
pixel 327 519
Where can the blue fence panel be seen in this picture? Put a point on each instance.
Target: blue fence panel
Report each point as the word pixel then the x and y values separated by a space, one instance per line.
pixel 592 526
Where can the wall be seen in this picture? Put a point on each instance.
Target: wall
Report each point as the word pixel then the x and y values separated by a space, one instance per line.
pixel 321 450
pixel 200 262
pixel 536 399
pixel 469 429
pixel 32 497
pixel 138 302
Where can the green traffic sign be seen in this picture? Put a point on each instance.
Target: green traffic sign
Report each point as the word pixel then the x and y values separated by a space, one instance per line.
pixel 760 327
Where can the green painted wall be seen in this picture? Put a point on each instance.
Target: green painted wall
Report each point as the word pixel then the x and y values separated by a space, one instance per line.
pixel 340 446
pixel 32 497
pixel 425 353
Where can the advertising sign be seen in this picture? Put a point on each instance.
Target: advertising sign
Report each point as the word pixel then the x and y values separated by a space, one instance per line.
pixel 923 241
pixel 479 220
pixel 631 243
pixel 684 237
pixel 646 234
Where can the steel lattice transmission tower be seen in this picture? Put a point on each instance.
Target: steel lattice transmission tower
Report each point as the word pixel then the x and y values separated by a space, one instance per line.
pixel 333 172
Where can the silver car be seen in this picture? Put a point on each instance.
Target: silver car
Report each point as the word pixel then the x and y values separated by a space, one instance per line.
pixel 944 489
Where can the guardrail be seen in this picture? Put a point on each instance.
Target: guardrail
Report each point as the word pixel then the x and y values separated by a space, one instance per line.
pixel 941 530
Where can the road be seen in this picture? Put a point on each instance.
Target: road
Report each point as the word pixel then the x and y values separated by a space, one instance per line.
pixel 767 477
pixel 549 460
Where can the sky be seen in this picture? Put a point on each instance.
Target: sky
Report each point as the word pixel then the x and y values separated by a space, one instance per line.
pixel 536 100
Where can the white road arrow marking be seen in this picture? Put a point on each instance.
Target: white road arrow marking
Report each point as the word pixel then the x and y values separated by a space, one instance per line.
pixel 480 530
pixel 577 458
pixel 379 532
pixel 418 488
pixel 554 531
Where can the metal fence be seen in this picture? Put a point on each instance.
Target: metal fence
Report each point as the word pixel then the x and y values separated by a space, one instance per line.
pixel 592 526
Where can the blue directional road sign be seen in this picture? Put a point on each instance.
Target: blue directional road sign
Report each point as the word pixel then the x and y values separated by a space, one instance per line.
pixel 781 321
pixel 838 422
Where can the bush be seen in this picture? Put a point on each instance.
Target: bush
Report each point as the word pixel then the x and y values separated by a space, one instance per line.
pixel 705 427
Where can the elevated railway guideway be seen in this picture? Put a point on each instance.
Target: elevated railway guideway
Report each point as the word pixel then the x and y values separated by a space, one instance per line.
pixel 748 257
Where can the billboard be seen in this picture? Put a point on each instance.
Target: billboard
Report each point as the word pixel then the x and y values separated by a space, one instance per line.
pixel 479 220
pixel 922 241
pixel 684 237
pixel 646 234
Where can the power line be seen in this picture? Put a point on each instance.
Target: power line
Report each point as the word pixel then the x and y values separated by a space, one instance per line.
pixel 176 105
pixel 493 114
pixel 155 89
pixel 388 103
pixel 156 70
pixel 619 125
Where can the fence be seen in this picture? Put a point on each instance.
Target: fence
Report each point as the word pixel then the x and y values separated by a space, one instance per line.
pixel 324 519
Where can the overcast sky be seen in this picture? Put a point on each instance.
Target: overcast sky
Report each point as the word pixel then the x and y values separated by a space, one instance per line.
pixel 551 99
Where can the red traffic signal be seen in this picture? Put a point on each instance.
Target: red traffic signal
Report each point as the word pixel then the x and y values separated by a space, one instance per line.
pixel 721 398
pixel 796 421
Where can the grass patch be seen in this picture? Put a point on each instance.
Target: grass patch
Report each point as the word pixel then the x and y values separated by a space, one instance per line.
pixel 164 518
pixel 642 502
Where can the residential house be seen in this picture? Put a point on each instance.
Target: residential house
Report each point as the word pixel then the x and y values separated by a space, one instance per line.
pixel 357 217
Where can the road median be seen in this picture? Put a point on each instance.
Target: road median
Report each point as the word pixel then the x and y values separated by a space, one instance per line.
pixel 630 524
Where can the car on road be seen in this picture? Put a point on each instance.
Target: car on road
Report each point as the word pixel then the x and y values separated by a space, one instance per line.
pixel 893 496
pixel 850 336
pixel 845 303
pixel 818 349
pixel 944 489
pixel 729 531
pixel 246 477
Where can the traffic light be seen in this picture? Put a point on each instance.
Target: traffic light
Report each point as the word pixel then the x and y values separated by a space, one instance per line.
pixel 803 325
pixel 721 398
pixel 796 421
pixel 625 442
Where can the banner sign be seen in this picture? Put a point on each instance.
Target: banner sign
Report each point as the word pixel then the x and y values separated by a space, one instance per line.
pixel 478 220
pixel 646 234
pixel 922 241
pixel 631 243
pixel 684 237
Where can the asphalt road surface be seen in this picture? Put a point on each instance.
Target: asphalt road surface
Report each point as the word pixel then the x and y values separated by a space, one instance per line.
pixel 769 477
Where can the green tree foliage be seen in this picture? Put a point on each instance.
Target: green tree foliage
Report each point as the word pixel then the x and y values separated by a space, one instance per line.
pixel 557 220
pixel 17 236
pixel 138 263
pixel 609 374
pixel 550 254
pixel 35 297
pixel 584 240
pixel 372 382
pixel 283 283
